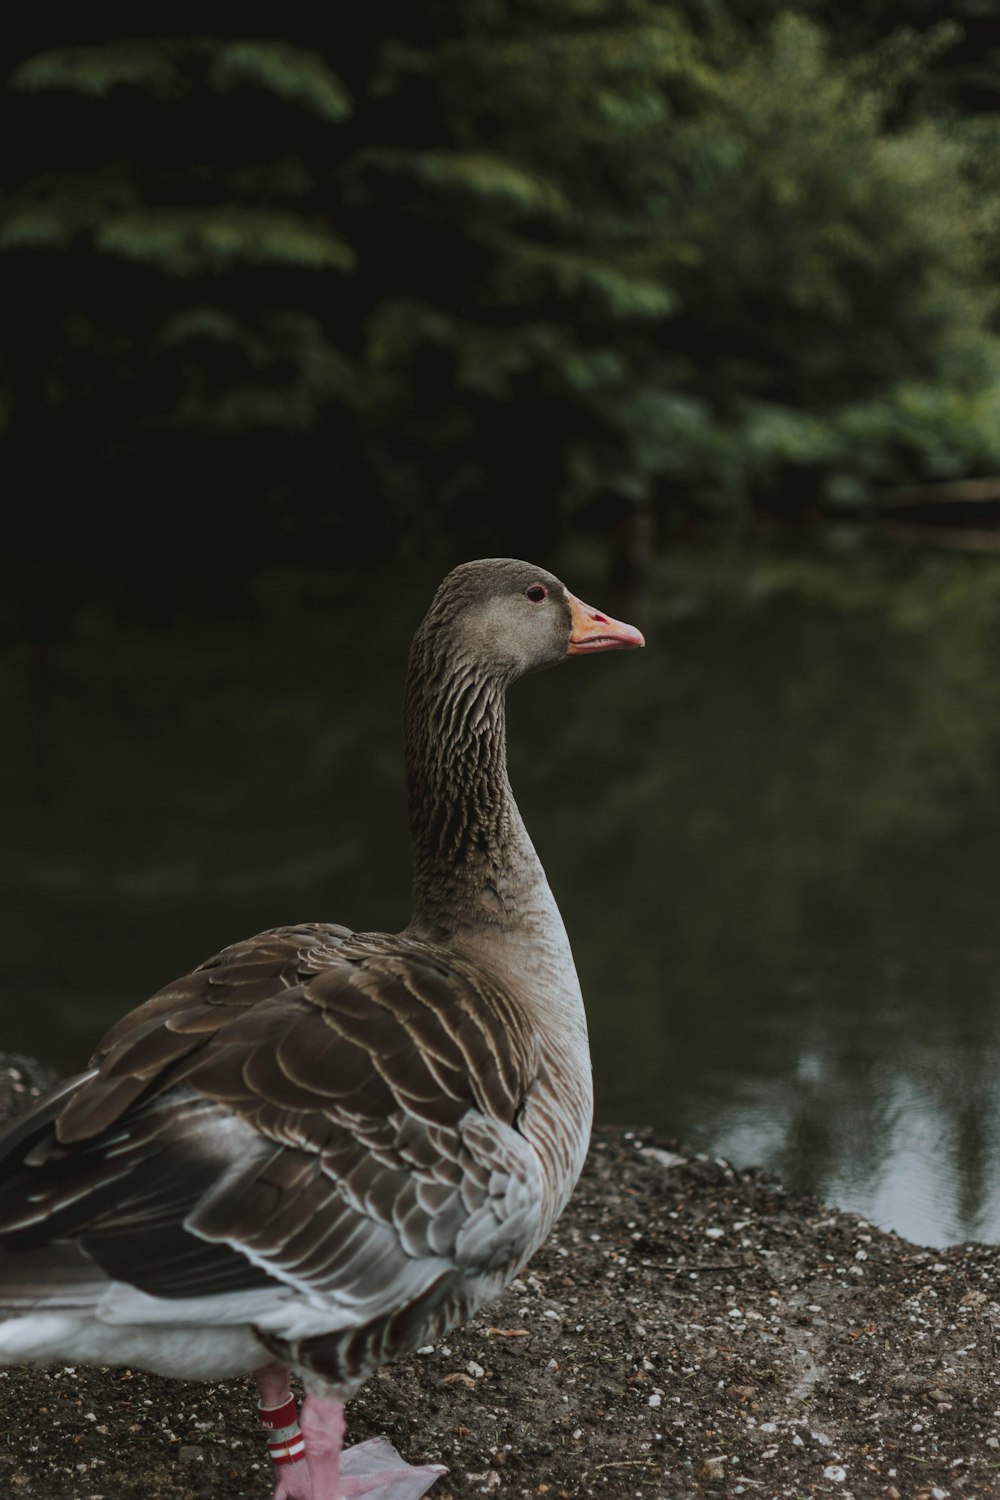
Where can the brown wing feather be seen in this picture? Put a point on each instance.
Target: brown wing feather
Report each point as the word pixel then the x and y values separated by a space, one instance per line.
pixel 308 1017
pixel 176 1021
pixel 356 1067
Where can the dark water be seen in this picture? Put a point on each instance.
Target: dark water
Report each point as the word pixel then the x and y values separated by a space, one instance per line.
pixel 774 837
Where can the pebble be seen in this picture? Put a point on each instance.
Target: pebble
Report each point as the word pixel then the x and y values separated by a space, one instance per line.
pixel 835 1472
pixel 662 1158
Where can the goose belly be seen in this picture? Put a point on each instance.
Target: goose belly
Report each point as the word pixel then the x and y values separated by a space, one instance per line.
pixel 184 1351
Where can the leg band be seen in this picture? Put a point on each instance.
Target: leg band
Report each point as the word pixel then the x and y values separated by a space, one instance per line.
pixel 285 1443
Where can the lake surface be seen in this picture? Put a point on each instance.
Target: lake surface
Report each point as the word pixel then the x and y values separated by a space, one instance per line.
pixel 774 835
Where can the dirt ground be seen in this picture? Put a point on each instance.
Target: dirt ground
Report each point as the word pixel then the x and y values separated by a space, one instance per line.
pixel 688 1330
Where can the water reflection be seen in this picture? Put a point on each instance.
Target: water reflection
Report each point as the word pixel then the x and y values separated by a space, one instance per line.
pixel 773 835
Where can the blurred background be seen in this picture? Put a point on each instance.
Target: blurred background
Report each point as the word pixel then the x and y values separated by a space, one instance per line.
pixel 695 303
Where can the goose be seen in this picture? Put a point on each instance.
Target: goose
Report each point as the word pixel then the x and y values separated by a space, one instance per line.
pixel 322 1148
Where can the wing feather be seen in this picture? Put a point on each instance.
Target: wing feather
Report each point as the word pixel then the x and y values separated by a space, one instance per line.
pixel 319 1113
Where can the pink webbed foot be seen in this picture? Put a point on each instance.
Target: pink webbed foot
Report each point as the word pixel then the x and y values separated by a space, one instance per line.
pixel 375 1468
pixel 372 1468
pixel 294 1483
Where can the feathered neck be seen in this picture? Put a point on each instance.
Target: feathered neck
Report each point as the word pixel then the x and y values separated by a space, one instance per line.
pixel 473 862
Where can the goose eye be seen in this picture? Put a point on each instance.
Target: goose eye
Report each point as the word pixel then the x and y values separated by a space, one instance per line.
pixel 536 593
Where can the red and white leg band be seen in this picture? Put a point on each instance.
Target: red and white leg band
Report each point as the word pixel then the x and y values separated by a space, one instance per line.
pixel 285 1442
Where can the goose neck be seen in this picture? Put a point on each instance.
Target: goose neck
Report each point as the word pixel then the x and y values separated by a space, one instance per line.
pixel 471 856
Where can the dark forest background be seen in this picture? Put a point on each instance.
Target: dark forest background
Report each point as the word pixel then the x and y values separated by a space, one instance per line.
pixel 466 276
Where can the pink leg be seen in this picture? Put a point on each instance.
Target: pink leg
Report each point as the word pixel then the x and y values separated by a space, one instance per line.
pixel 372 1468
pixel 279 1418
pixel 323 1430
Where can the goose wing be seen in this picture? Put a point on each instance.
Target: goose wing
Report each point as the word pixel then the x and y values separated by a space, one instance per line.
pixel 315 1132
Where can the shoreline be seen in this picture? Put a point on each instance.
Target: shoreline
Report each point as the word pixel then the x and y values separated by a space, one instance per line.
pixel 689 1330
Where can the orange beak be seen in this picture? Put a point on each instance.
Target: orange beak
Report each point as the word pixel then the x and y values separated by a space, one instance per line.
pixel 593 631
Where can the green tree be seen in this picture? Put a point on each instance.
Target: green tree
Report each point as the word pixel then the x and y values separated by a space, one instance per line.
pixel 473 269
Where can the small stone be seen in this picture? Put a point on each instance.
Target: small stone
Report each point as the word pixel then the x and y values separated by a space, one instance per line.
pixel 662 1158
pixel 835 1472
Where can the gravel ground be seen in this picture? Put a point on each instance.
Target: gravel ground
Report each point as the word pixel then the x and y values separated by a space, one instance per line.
pixel 688 1330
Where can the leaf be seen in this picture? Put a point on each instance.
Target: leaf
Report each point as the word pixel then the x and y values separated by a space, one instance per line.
pixel 300 76
pixel 184 241
pixel 95 71
pixel 479 174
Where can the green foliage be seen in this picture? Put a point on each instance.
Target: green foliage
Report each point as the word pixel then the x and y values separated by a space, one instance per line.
pixel 842 275
pixel 96 71
pixel 475 175
pixel 299 76
pixel 518 261
pixel 188 241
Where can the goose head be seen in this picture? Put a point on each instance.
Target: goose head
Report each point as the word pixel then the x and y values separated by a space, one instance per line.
pixel 511 617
